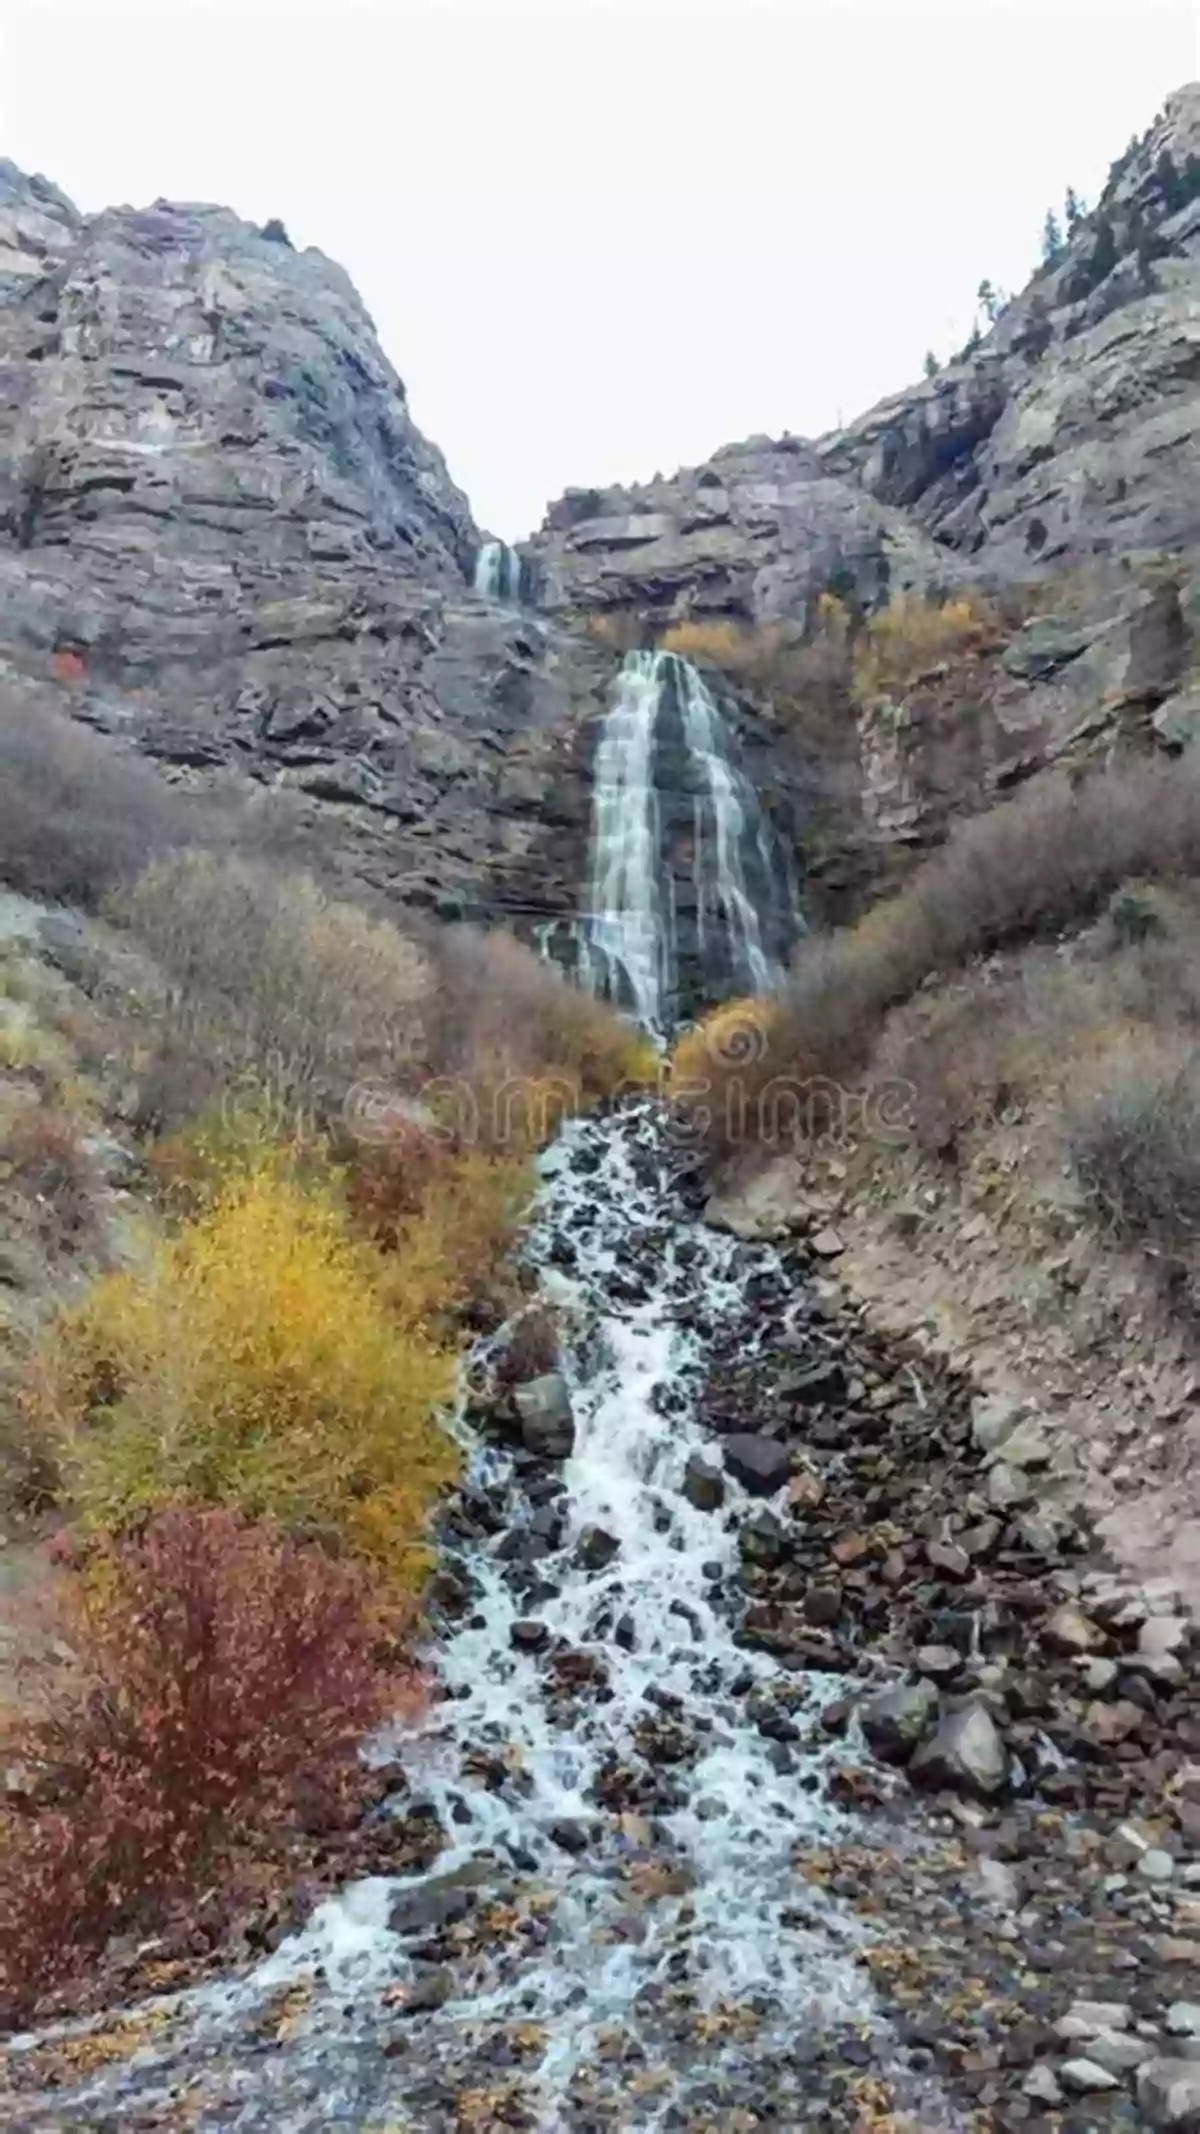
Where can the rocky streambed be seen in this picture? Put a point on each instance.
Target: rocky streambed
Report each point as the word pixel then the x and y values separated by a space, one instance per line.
pixel 796 1760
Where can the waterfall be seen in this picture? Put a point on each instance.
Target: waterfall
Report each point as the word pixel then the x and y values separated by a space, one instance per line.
pixel 690 895
pixel 500 573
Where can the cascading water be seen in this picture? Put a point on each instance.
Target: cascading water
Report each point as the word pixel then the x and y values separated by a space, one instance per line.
pixel 619 1932
pixel 500 573
pixel 690 895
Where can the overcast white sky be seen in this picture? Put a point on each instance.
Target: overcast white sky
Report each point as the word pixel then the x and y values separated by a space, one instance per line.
pixel 602 240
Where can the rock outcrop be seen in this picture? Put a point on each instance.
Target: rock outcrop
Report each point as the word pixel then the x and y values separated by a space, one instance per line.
pixel 223 536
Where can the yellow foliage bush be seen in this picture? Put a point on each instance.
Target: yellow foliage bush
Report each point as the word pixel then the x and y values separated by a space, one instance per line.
pixel 737 1034
pixel 911 636
pixel 454 1251
pixel 257 1362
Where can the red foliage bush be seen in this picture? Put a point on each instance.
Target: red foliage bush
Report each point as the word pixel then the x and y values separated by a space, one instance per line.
pixel 226 1675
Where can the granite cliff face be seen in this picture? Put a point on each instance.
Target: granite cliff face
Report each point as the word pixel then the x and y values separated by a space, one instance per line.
pixel 224 540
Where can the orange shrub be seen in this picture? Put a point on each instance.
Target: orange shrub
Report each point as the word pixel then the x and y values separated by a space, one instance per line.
pixel 225 1678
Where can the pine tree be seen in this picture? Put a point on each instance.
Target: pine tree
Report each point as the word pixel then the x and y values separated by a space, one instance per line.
pixel 1074 210
pixel 988 297
pixel 931 365
pixel 1052 241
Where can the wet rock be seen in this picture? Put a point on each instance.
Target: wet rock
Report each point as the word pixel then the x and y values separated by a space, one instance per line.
pixel 529 1636
pixel 440 1901
pixel 573 1837
pixel 596 1548
pixel 428 1990
pixel 547 1424
pixel 757 1462
pixel 704 1483
pixel 965 1752
pixel 896 1723
pixel 1168 2092
pixel 762 1539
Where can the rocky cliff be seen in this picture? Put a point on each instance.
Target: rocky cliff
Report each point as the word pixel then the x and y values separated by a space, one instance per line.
pixel 223 539
pixel 222 535
pixel 1055 465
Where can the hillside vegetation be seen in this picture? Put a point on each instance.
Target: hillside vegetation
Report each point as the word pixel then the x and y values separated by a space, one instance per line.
pixel 264 1159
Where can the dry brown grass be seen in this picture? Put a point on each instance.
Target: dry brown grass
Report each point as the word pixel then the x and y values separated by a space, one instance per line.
pixel 271 985
pixel 1039 864
pixel 80 815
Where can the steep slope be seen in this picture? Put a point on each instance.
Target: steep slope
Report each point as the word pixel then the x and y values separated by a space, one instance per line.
pixel 1071 431
pixel 222 535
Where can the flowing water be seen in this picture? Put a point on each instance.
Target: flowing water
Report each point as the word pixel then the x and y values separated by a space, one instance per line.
pixel 500 573
pixel 685 1930
pixel 686 873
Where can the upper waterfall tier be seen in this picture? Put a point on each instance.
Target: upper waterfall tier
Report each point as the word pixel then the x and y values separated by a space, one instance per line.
pixel 691 896
pixel 500 573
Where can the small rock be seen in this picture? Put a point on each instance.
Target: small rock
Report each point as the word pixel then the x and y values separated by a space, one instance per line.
pixel 1041 2085
pixel 966 1751
pixel 1162 1634
pixel 1156 1866
pixel 704 1483
pixel 946 1557
pixel 596 1548
pixel 427 1991
pixel 827 1244
pixel 994 1420
pixel 1119 2051
pixel 1086 2019
pixel 895 1723
pixel 529 1636
pixel 822 1606
pixel 1168 2092
pixel 760 1464
pixel 1027 1446
pixel 1007 1487
pixel 1183 2019
pixel 572 1837
pixel 805 1491
pixel 938 1661
pixel 1084 2075
pixel 1070 1630
pixel 1098 1674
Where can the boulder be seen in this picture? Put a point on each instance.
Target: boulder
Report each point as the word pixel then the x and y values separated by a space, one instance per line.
pixel 760 1464
pixel 1168 2092
pixel 966 1754
pixel 704 1483
pixel 547 1424
pixel 896 1723
pixel 596 1548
